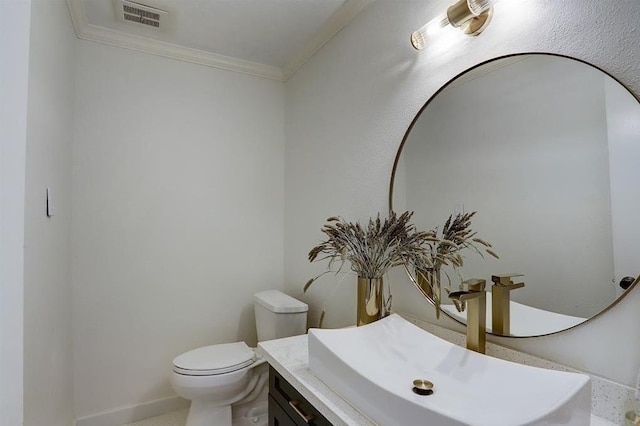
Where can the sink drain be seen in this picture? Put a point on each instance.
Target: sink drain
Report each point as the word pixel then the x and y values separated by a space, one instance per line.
pixel 422 387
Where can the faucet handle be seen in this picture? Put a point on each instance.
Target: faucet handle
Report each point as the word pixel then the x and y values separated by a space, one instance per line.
pixel 475 284
pixel 475 290
pixel 504 280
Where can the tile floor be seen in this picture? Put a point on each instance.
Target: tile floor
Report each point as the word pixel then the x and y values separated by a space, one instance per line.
pixel 175 418
pixel 179 418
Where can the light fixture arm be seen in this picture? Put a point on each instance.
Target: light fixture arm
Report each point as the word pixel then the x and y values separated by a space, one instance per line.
pixel 460 13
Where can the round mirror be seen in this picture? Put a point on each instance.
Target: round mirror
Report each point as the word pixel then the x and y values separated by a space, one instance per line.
pixel 546 150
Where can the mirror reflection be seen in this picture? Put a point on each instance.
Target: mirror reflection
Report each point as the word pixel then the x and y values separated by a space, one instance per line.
pixel 546 149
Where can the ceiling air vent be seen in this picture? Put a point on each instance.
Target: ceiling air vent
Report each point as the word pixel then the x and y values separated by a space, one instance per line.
pixel 141 14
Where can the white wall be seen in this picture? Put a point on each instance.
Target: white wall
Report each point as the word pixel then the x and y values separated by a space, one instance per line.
pixel 349 107
pixel 48 393
pixel 177 217
pixel 14 70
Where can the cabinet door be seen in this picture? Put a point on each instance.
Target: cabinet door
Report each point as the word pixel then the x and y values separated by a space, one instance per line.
pixel 277 416
pixel 291 402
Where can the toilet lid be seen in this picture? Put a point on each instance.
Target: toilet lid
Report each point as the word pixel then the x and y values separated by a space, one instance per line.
pixel 214 359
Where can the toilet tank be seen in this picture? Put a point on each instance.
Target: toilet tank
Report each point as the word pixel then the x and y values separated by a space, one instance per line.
pixel 279 315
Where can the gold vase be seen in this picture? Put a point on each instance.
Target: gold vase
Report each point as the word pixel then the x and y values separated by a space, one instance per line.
pixel 429 280
pixel 371 304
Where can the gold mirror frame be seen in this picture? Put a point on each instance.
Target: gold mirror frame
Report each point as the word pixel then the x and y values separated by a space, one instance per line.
pixel 399 153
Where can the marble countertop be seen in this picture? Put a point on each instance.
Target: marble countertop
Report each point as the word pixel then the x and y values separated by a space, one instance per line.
pixel 290 358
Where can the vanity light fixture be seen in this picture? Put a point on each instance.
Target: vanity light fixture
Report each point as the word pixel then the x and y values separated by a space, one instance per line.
pixel 471 16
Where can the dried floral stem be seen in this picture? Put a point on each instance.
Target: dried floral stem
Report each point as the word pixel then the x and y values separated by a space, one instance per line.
pixel 445 250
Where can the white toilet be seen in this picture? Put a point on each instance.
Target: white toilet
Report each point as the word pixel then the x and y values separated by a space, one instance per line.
pixel 217 377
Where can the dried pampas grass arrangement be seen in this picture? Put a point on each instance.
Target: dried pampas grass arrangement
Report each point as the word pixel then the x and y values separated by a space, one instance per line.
pixel 373 249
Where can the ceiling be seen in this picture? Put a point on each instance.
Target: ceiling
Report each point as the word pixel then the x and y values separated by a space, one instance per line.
pixel 267 38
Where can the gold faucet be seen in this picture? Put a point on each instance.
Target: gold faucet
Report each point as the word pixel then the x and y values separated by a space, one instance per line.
pixel 475 299
pixel 501 302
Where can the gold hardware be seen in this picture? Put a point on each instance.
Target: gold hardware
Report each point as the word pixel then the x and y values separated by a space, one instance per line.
pixel 422 387
pixel 461 16
pixel 470 16
pixel 505 279
pixel 501 302
pixel 305 417
pixel 476 300
pixel 475 284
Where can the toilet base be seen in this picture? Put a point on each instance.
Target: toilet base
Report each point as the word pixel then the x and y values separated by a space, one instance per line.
pixel 245 408
pixel 254 413
pixel 206 413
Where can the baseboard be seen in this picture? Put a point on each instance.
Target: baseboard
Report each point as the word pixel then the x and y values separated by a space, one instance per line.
pixel 133 413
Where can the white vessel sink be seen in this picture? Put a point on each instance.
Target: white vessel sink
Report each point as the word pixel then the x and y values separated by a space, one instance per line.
pixel 374 366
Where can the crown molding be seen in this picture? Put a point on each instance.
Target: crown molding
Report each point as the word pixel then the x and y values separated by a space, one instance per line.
pixel 336 22
pixel 155 47
pixel 86 31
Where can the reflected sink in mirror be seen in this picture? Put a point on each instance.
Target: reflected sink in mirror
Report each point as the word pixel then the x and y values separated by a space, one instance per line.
pixel 525 320
pixel 374 366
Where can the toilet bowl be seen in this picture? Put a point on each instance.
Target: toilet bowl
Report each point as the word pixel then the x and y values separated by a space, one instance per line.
pixel 215 378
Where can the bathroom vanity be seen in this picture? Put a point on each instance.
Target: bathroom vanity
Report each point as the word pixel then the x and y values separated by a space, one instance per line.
pixel 289 359
pixel 287 407
pixel 291 380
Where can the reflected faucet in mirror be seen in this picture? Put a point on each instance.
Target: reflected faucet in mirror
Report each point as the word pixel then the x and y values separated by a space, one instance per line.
pixel 475 300
pixel 501 290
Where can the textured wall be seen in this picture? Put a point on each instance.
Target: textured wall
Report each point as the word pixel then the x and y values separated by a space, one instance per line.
pixel 349 107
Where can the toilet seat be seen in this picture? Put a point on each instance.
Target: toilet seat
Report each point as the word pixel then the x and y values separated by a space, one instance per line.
pixel 214 360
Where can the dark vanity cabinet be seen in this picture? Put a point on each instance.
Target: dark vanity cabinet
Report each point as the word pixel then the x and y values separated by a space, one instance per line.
pixel 287 407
